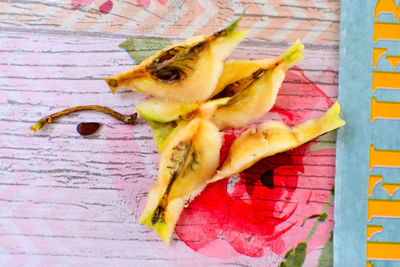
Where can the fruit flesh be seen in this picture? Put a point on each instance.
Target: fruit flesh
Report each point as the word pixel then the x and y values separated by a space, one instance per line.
pixel 164 132
pixel 124 79
pixel 255 94
pixel 165 115
pixel 187 71
pixel 235 70
pixel 188 161
pixel 273 137
pixel 161 110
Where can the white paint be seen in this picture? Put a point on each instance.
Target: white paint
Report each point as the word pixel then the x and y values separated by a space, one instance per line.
pixel 209 11
pixel 177 10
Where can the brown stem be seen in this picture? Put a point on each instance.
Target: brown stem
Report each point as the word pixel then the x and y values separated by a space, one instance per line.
pixel 129 119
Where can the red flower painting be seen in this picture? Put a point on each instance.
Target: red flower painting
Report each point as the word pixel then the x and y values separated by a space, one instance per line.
pixel 104 8
pixel 265 208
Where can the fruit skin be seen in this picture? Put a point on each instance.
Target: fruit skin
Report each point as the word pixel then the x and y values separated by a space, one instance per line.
pixel 165 117
pixel 261 86
pixel 199 83
pixel 186 164
pixel 163 132
pixel 273 137
pixel 162 110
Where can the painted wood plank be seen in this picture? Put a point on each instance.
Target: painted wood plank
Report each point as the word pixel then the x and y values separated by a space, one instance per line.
pixel 313 21
pixel 66 199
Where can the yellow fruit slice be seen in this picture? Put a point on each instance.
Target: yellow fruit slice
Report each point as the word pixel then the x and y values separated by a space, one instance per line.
pixel 188 161
pixel 235 70
pixel 187 71
pixel 164 131
pixel 273 137
pixel 253 87
pixel 165 117
pixel 162 110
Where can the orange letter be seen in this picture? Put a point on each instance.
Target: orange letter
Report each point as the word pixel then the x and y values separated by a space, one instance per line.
pixel 373 180
pixel 373 229
pixel 384 110
pixel 378 52
pixel 387 6
pixel 390 188
pixel 383 251
pixel 382 79
pixel 383 208
pixel 389 31
pixel 383 158
pixel 395 60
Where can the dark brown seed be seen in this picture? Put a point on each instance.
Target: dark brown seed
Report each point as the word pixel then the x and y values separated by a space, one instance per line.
pixel 87 128
pixel 258 73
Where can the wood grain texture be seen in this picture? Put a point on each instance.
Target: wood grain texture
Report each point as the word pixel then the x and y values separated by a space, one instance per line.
pixel 72 200
pixel 313 21
pixel 68 199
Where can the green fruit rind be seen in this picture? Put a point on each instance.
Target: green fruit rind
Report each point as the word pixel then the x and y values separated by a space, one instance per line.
pixel 233 26
pixel 161 110
pixel 294 53
pixel 274 137
pixel 164 132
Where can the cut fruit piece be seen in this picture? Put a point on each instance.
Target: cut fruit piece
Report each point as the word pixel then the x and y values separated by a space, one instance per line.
pixel 161 110
pixel 188 161
pixel 255 94
pixel 235 70
pixel 187 71
pixel 164 131
pixel 273 137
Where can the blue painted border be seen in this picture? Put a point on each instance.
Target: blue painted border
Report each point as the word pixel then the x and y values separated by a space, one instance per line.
pixel 353 141
pixel 351 184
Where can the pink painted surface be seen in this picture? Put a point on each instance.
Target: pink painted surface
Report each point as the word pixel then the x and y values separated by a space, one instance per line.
pixel 315 22
pixel 76 4
pixel 72 200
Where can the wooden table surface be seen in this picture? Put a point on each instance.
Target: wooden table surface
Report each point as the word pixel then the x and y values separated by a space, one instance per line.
pixel 68 200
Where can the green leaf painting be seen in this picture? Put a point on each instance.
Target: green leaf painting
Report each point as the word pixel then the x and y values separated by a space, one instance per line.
pixel 295 257
pixel 326 257
pixel 140 48
pixel 326 141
